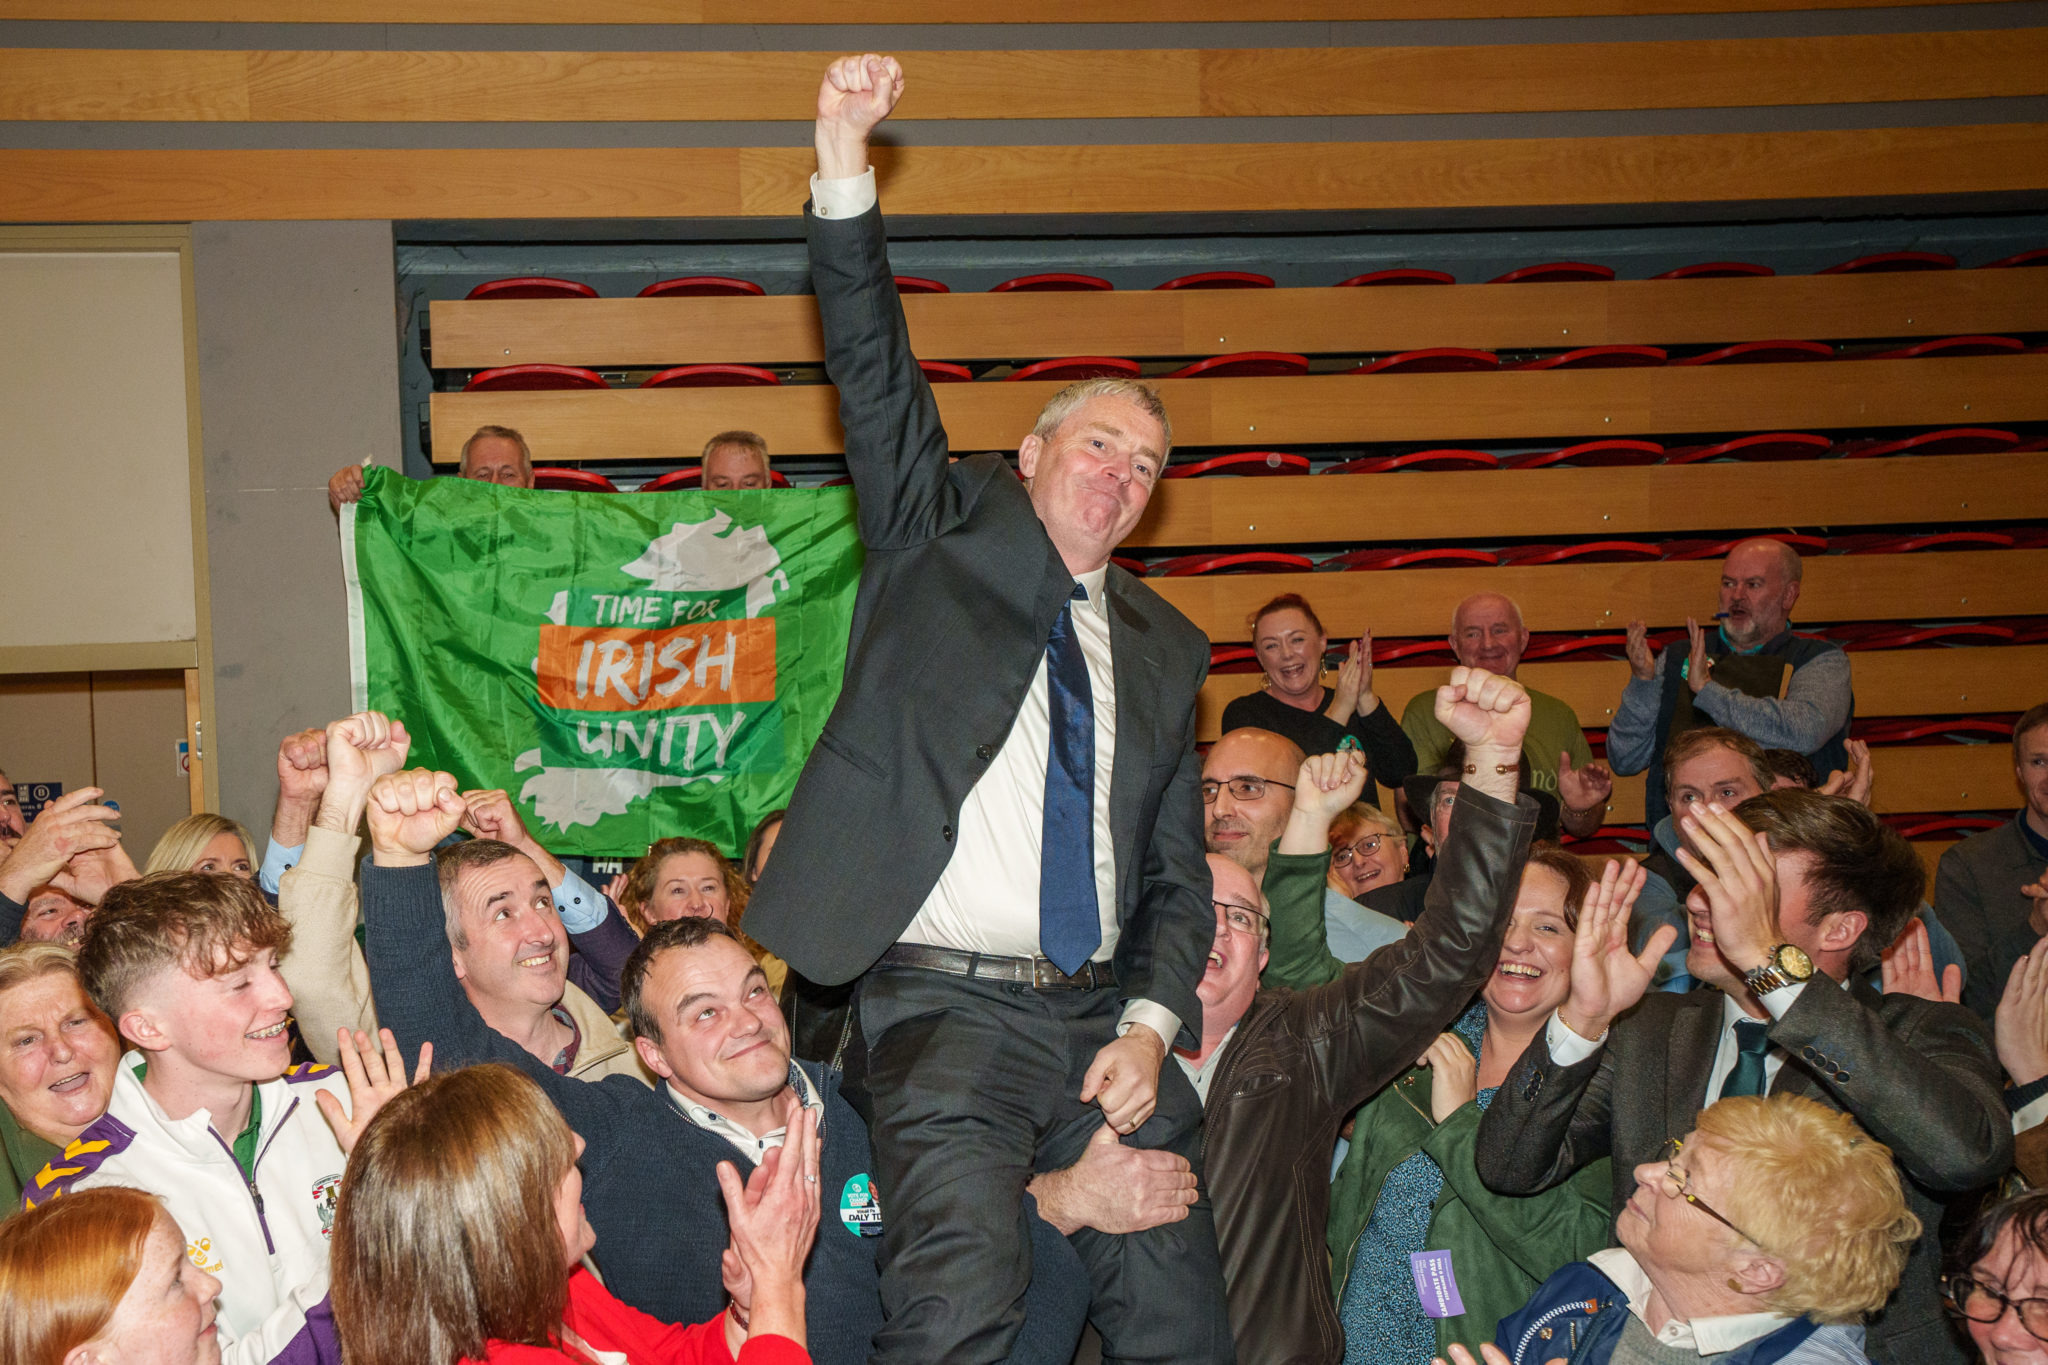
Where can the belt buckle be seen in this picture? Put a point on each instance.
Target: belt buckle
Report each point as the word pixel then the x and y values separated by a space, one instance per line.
pixel 1044 975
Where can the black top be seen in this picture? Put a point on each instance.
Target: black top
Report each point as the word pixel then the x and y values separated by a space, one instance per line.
pixel 1389 756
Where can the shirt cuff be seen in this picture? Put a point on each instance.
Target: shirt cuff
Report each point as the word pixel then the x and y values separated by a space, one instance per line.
pixel 278 860
pixel 2029 1104
pixel 1778 1002
pixel 1566 1047
pixel 1152 1015
pixel 581 905
pixel 847 198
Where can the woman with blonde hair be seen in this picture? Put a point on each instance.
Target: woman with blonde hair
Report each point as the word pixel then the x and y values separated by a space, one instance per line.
pixel 460 1236
pixel 205 843
pixel 1368 851
pixel 101 1277
pixel 677 878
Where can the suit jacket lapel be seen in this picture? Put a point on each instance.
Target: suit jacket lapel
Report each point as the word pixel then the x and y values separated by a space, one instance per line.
pixel 1695 1037
pixel 1137 684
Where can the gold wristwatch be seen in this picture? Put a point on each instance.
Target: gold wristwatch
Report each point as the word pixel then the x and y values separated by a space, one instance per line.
pixel 1788 966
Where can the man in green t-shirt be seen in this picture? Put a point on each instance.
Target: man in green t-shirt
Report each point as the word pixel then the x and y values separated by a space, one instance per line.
pixel 1487 632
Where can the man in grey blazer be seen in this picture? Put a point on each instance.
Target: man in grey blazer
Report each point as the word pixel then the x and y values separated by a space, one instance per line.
pixel 1991 890
pixel 1797 893
pixel 1001 824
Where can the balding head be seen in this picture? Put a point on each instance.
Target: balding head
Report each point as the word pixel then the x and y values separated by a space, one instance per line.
pixel 11 825
pixel 1759 584
pixel 1243 827
pixel 1487 632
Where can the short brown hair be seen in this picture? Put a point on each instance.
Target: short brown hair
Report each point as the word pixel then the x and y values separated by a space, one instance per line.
pixel 746 440
pixel 1687 743
pixel 449 865
pixel 203 923
pixel 1359 815
pixel 2036 716
pixel 496 433
pixel 1822 1194
pixel 1791 767
pixel 641 876
pixel 445 1235
pixel 692 931
pixel 750 861
pixel 1857 862
pixel 1286 601
pixel 64 1267
pixel 1578 879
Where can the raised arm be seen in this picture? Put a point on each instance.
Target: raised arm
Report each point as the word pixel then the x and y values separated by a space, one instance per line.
pixel 1814 708
pixel 1297 867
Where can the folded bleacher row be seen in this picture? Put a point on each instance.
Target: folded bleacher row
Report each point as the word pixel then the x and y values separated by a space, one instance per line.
pixel 1591 447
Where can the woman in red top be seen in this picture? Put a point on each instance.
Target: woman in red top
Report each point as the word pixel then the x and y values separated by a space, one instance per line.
pixel 460 1236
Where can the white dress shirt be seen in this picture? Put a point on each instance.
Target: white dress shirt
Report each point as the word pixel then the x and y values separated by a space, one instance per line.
pixel 754 1147
pixel 1568 1048
pixel 986 899
pixel 1709 1336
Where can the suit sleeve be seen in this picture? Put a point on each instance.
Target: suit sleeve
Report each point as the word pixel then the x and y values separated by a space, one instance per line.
pixel 1389 753
pixel 600 957
pixel 1546 1120
pixel 1370 1024
pixel 330 981
pixel 1930 1089
pixel 895 443
pixel 1960 903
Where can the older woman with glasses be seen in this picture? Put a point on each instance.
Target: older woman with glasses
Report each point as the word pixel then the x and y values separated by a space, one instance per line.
pixel 2000 1285
pixel 1767 1234
pixel 1367 851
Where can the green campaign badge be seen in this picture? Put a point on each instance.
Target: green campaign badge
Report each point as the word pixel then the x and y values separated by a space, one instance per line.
pixel 858 1207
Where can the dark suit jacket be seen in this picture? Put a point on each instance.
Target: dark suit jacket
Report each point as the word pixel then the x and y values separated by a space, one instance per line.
pixel 1977 895
pixel 1919 1076
pixel 960 591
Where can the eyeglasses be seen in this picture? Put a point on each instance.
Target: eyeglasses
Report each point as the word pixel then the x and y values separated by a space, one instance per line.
pixel 1981 1303
pixel 1242 918
pixel 1241 788
pixel 1676 1181
pixel 1364 848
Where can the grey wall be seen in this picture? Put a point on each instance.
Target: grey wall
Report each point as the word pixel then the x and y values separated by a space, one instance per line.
pixel 298 376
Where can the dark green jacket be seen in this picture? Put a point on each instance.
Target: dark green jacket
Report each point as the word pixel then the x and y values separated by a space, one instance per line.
pixel 22 1155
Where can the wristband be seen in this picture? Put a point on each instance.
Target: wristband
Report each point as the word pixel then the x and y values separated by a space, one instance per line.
pixel 738 1317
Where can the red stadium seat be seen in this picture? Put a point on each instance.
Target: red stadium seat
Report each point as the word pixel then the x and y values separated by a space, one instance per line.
pixel 523 378
pixel 945 372
pixel 1556 272
pixel 532 287
pixel 1887 543
pixel 1896 730
pixel 1762 447
pixel 1432 360
pixel 1716 549
pixel 1055 283
pixel 1613 841
pixel 1893 263
pixel 915 284
pixel 1402 275
pixel 1434 461
pixel 1953 347
pixel 1862 635
pixel 1129 565
pixel 1244 364
pixel 1600 358
pixel 1587 552
pixel 1242 561
pixel 1434 650
pixel 1219 279
pixel 1247 464
pixel 1391 557
pixel 1762 353
pixel 1233 659
pixel 1079 367
pixel 1560 648
pixel 1952 441
pixel 1590 455
pixel 693 477
pixel 2029 630
pixel 1715 270
pixel 1918 827
pixel 711 377
pixel 701 287
pixel 2037 257
pixel 572 480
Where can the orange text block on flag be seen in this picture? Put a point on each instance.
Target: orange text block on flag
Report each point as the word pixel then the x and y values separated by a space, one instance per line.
pixel 609 668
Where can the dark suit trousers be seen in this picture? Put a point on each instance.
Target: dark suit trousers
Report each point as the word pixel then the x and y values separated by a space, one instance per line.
pixel 975 1087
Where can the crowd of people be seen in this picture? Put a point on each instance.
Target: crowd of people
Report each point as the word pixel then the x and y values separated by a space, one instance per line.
pixel 1028 1015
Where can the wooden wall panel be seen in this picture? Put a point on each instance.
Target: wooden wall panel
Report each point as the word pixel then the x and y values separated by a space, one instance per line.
pixel 1906 682
pixel 644 424
pixel 783 329
pixel 1580 597
pixel 41 185
pixel 539 87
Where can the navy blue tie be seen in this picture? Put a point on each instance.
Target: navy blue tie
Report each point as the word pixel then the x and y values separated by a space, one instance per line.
pixel 1069 924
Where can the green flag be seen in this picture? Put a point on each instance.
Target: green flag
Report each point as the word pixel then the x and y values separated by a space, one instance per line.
pixel 628 667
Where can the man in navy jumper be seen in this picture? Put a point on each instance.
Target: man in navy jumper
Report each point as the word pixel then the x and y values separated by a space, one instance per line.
pixel 706 1024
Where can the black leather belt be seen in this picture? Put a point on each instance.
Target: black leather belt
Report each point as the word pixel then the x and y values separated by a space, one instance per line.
pixel 1028 971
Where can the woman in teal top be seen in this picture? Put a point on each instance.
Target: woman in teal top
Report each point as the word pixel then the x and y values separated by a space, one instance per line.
pixel 1423 1254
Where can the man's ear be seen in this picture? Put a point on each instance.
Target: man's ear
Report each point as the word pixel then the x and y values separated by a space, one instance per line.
pixel 1842 929
pixel 1758 1274
pixel 651 1058
pixel 1027 455
pixel 85 1353
pixel 1264 957
pixel 1792 595
pixel 461 973
pixel 141 1026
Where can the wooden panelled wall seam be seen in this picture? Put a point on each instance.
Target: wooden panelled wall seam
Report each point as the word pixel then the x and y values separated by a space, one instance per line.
pixel 97 185
pixel 783 329
pixel 541 87
pixel 642 424
pixel 754 12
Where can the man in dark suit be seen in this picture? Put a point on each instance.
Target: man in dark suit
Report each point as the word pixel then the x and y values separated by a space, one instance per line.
pixel 1991 890
pixel 1006 806
pixel 1797 894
